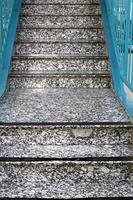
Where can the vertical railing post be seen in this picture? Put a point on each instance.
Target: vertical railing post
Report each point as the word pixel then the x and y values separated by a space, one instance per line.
pixel 131 16
pixel 127 41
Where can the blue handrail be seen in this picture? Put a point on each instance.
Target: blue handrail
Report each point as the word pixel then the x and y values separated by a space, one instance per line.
pixel 118 25
pixel 9 14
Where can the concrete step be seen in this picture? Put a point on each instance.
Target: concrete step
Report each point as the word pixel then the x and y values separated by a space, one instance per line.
pixel 65 80
pixel 61 105
pixel 21 150
pixel 66 141
pixel 61 21
pixel 66 179
pixel 60 35
pixel 57 48
pixel 58 64
pixel 65 134
pixel 60 9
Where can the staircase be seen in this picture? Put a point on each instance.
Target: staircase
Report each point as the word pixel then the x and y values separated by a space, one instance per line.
pixel 63 132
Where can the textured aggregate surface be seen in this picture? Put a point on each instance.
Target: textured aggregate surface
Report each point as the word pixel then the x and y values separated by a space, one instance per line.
pixel 61 1
pixel 60 179
pixel 59 65
pixel 70 151
pixel 61 105
pixel 66 141
pixel 62 35
pixel 90 49
pixel 59 81
pixel 60 22
pixel 60 75
pixel 63 135
pixel 60 9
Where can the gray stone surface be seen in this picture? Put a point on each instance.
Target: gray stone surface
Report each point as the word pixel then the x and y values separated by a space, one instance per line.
pixel 61 22
pixel 59 65
pixel 24 150
pixel 90 49
pixel 60 179
pixel 61 105
pixel 66 141
pixel 61 1
pixel 60 9
pixel 63 135
pixel 62 35
pixel 60 81
pixel 57 59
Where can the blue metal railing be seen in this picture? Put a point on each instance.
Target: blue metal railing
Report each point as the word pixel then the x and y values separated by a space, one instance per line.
pixel 9 13
pixel 118 24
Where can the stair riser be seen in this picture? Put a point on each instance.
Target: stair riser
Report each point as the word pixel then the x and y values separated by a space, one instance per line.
pixel 66 135
pixel 60 22
pixel 66 141
pixel 59 65
pixel 65 152
pixel 60 35
pixel 90 49
pixel 61 1
pixel 66 179
pixel 60 10
pixel 59 82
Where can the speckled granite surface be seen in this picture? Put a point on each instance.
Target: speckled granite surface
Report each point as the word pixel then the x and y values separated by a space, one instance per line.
pixel 63 135
pixel 61 9
pixel 60 75
pixel 51 141
pixel 59 65
pixel 88 49
pixel 61 1
pixel 60 179
pixel 33 150
pixel 61 105
pixel 60 22
pixel 60 81
pixel 62 35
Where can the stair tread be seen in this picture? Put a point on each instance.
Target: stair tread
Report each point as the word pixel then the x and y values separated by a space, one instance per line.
pixel 61 105
pixel 63 134
pixel 90 49
pixel 33 150
pixel 59 65
pixel 60 179
pixel 60 21
pixel 59 9
pixel 60 35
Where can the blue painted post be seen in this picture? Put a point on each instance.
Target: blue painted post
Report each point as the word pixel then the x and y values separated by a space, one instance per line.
pixel 9 15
